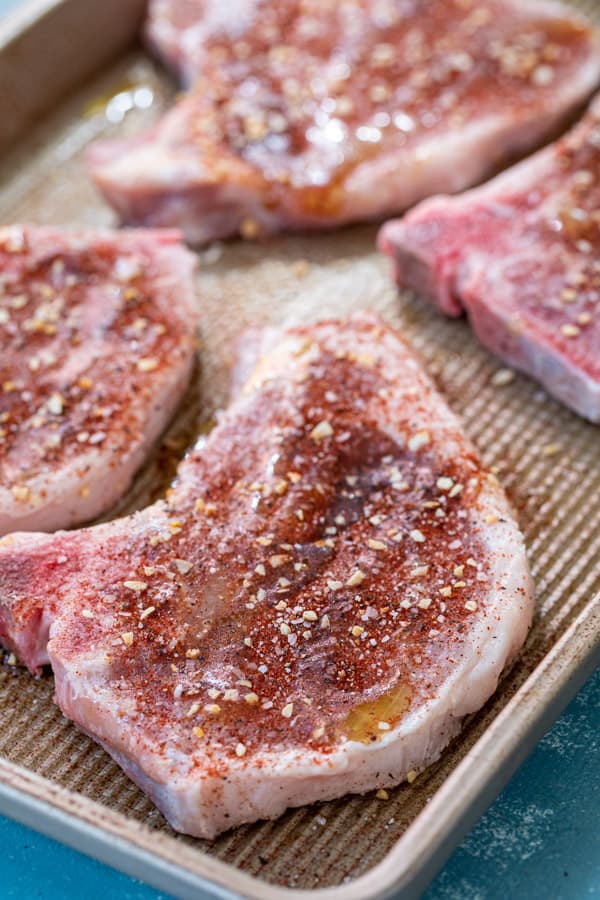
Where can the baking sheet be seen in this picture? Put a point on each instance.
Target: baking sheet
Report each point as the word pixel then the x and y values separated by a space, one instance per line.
pixel 547 458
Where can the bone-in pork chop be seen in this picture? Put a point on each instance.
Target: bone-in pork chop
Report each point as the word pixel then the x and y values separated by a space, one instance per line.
pixel 333 582
pixel 520 256
pixel 314 113
pixel 97 334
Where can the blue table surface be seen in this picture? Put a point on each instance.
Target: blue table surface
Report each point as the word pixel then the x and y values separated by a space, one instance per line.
pixel 540 839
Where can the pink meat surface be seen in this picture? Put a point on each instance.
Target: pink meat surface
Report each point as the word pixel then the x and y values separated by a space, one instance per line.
pixel 177 31
pixel 520 256
pixel 97 340
pixel 332 584
pixel 313 113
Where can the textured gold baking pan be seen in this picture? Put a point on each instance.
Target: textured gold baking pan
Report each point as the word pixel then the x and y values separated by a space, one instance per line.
pixel 62 63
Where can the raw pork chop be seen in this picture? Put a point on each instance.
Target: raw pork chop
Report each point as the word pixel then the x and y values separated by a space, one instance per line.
pixel 97 342
pixel 177 31
pixel 315 113
pixel 520 256
pixel 331 585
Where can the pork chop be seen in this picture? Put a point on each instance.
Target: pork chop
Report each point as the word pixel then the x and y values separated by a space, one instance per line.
pixel 176 31
pixel 97 335
pixel 313 113
pixel 520 256
pixel 333 582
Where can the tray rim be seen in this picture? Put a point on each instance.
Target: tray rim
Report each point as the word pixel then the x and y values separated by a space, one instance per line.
pixel 35 42
pixel 188 872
